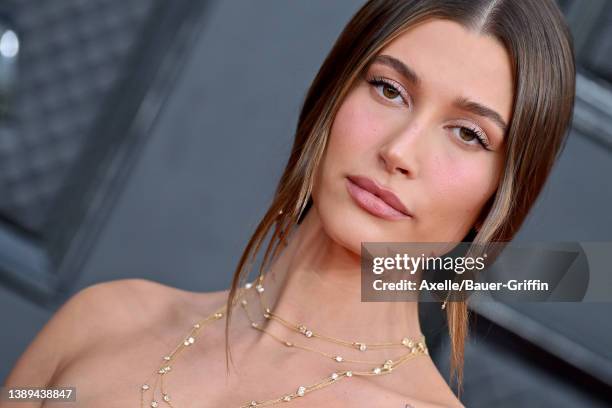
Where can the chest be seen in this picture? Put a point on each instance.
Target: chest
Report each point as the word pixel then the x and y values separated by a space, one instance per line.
pixel 116 379
pixel 112 375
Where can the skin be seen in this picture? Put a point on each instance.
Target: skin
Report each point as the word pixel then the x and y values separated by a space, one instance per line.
pixel 413 147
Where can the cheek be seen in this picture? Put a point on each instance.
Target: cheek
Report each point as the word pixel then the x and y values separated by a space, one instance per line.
pixel 353 140
pixel 461 186
pixel 355 128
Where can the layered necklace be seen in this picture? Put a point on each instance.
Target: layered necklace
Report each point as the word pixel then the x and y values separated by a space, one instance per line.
pixel 150 397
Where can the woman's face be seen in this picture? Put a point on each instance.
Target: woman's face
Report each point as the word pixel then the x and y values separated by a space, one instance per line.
pixel 426 122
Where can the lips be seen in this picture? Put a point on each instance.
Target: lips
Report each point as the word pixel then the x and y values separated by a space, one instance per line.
pixel 376 199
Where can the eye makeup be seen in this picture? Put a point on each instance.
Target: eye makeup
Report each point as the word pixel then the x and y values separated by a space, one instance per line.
pixel 390 90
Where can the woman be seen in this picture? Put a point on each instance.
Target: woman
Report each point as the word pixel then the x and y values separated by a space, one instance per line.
pixel 452 112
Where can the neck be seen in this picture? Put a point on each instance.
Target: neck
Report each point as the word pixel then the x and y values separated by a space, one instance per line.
pixel 317 282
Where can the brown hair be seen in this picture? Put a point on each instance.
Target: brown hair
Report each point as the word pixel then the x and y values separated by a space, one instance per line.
pixel 541 52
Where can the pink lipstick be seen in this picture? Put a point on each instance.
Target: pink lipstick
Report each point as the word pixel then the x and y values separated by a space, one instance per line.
pixel 375 199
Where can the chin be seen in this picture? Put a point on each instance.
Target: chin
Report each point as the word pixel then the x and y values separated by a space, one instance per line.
pixel 352 228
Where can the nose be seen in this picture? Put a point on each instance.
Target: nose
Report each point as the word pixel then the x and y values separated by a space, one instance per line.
pixel 400 151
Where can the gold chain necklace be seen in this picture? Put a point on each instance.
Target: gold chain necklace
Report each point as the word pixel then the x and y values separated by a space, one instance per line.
pixel 167 360
pixel 300 328
pixel 416 348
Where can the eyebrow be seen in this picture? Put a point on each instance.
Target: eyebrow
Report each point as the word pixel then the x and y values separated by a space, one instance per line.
pixel 461 103
pixel 399 66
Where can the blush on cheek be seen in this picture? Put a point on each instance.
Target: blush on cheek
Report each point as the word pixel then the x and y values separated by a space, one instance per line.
pixel 459 185
pixel 355 126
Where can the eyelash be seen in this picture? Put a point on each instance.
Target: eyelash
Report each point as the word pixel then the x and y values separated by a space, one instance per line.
pixel 380 81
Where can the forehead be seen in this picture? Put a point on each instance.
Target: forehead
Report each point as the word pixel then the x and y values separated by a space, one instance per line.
pixel 452 61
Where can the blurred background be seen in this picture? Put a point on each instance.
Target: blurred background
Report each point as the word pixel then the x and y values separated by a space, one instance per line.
pixel 144 139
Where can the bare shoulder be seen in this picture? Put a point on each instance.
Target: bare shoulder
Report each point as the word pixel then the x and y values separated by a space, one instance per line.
pixel 452 402
pixel 75 325
pixel 135 303
pixel 130 306
pixel 435 397
pixel 440 396
pixel 425 404
pixel 114 310
pixel 435 392
pixel 430 401
pixel 420 385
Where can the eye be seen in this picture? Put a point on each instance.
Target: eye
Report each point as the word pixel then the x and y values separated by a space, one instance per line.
pixel 389 89
pixel 471 136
